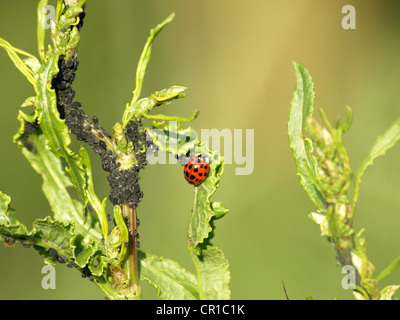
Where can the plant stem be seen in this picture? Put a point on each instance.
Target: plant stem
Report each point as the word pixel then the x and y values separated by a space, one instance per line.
pixel 131 265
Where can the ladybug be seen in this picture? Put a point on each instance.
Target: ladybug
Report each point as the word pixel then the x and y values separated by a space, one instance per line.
pixel 196 169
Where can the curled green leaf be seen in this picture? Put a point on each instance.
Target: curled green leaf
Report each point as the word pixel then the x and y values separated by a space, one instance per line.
pixel 172 118
pixel 389 269
pixel 302 107
pixel 173 92
pixel 123 232
pixel 83 249
pixel 219 209
pixel 91 195
pixel 142 66
pixel 384 143
pixel 9 223
pixel 18 62
pixel 142 107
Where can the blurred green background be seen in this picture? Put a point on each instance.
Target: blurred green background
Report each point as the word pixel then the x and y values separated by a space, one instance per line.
pixel 236 59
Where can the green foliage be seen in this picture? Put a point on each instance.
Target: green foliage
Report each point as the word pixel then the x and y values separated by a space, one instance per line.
pixel 302 107
pixel 210 264
pixel 130 110
pixel 325 174
pixel 169 278
pixel 75 236
pixel 382 144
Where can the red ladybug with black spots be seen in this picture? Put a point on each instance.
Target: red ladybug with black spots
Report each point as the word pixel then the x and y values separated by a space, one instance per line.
pixel 196 169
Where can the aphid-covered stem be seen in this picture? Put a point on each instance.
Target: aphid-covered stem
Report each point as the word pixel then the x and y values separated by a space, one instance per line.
pixel 122 155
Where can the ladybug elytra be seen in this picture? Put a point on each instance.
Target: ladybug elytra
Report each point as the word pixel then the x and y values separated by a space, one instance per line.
pixel 196 169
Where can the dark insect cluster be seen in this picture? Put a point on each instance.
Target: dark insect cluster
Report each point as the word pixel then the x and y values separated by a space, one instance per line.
pixel 52 253
pixel 29 128
pixel 124 184
pixel 70 262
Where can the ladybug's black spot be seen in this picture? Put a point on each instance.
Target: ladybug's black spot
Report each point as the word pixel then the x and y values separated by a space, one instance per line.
pixel 200 174
pixel 187 173
pixel 196 169
pixel 190 166
pixel 192 177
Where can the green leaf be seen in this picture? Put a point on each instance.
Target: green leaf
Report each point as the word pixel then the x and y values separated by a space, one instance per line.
pixel 359 256
pixel 57 139
pixel 171 280
pixel 113 245
pixel 202 213
pixel 98 263
pixel 211 265
pixel 142 66
pixel 172 118
pixel 55 181
pixel 9 223
pixel 219 209
pixel 213 274
pixel 41 21
pixel 389 269
pixel 91 195
pixel 54 129
pixel 382 144
pixel 302 106
pixel 360 293
pixel 123 232
pixel 388 292
pixel 322 221
pixel 51 233
pixel 82 249
pixel 142 107
pixel 172 137
pixel 18 62
pixel 52 239
pixel 165 95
